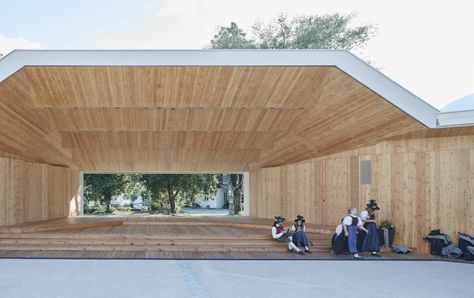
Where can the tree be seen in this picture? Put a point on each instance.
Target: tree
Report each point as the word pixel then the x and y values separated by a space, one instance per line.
pixel 304 32
pixel 232 183
pixel 210 184
pixel 104 186
pixel 175 186
pixel 231 37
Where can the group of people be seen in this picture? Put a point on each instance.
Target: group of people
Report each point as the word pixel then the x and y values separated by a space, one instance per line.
pixel 357 233
pixel 295 235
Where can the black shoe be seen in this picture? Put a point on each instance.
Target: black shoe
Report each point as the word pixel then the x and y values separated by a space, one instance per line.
pixel 357 258
pixel 376 255
pixel 300 252
pixel 308 251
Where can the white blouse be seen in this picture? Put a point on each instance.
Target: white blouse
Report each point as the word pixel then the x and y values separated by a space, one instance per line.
pixel 339 230
pixel 364 215
pixel 348 220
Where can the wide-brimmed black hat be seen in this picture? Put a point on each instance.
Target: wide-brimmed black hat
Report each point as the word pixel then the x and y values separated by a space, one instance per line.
pixel 279 219
pixel 373 205
pixel 299 217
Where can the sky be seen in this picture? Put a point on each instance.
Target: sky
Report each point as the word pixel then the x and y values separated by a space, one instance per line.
pixel 425 46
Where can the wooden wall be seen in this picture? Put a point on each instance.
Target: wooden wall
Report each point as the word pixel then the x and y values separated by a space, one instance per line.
pixel 420 184
pixel 35 191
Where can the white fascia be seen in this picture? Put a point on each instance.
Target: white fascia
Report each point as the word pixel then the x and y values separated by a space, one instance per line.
pixel 345 61
pixel 456 119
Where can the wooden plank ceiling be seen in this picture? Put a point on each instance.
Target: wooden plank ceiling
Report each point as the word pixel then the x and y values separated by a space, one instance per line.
pixel 189 118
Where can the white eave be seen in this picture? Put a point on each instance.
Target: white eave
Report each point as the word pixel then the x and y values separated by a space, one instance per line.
pixel 347 62
pixel 455 119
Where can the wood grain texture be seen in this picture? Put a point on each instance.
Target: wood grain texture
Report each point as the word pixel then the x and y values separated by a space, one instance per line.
pixel 419 184
pixel 33 192
pixel 282 114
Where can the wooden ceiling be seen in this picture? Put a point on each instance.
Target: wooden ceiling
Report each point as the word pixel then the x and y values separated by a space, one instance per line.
pixel 214 118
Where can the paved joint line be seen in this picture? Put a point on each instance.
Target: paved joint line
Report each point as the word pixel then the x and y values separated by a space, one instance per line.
pixel 194 285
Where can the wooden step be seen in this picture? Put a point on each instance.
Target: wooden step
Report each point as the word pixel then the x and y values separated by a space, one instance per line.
pixel 53 226
pixel 313 237
pixel 57 227
pixel 218 224
pixel 143 248
pixel 43 241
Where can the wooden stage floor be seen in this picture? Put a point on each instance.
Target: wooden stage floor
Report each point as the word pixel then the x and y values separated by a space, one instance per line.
pixel 162 237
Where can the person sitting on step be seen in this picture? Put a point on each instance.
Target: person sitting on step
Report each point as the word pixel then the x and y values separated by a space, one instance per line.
pixel 339 241
pixel 280 233
pixel 299 234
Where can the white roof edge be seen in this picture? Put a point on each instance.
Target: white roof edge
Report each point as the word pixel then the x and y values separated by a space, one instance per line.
pixel 344 60
pixel 456 118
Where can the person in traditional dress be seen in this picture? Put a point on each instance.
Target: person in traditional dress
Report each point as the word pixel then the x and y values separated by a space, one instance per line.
pixel 339 240
pixel 280 233
pixel 351 225
pixel 371 240
pixel 299 234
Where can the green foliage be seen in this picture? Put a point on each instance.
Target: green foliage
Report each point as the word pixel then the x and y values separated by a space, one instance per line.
pixel 303 32
pixel 386 224
pixel 164 192
pixel 97 210
pixel 179 189
pixel 101 187
pixel 231 37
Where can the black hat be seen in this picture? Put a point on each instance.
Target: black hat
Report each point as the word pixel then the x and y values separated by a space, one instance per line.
pixel 373 205
pixel 300 217
pixel 279 219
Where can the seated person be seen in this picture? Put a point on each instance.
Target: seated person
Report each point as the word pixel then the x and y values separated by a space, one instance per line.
pixel 280 233
pixel 299 236
pixel 339 241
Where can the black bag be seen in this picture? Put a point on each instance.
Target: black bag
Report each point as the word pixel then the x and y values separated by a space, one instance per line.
pixel 464 241
pixel 436 246
pixel 469 253
pixel 437 242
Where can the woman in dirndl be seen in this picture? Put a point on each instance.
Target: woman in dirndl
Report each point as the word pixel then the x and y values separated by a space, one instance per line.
pixel 339 241
pixel 371 240
pixel 299 234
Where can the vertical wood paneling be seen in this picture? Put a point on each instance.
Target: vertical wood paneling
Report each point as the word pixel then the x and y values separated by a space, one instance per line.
pixel 33 192
pixel 420 185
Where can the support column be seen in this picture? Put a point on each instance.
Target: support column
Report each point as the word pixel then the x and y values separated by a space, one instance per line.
pixel 246 188
pixel 81 192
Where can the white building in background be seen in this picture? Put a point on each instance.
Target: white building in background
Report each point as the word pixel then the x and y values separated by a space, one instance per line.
pixel 121 201
pixel 139 203
pixel 213 201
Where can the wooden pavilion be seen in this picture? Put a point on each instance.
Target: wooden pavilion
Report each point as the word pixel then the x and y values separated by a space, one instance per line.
pixel 314 132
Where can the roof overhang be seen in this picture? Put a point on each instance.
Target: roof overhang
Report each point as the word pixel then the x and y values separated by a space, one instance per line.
pixel 455 119
pixel 198 110
pixel 344 60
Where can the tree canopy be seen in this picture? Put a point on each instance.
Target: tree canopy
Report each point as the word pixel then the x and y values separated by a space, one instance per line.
pixel 161 191
pixel 176 187
pixel 332 31
pixel 104 186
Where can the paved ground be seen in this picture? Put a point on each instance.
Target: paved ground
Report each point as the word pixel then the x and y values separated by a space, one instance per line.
pixel 205 211
pixel 170 278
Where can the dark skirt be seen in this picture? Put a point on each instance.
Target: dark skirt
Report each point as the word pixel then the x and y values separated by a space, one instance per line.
pixel 339 244
pixel 300 239
pixel 371 240
pixel 360 239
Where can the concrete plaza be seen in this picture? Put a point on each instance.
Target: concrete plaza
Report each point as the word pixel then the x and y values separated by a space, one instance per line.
pixel 183 278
